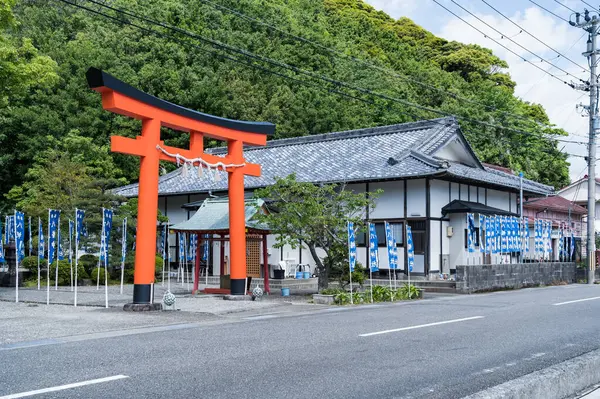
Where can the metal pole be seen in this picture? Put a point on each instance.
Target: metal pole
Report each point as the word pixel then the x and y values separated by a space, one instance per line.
pixel 521 215
pixel 592 154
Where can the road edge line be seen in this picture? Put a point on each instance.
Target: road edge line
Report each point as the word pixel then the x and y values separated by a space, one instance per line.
pixel 561 380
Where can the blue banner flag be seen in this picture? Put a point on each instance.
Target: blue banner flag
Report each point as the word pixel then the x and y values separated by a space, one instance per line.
pixel 373 248
pixel 79 227
pixel 572 246
pixel 2 259
pixel 61 253
pixel 482 219
pixel 20 235
pixel 107 215
pixel 193 245
pixel 181 247
pixel 10 228
pixel 471 232
pixel 205 254
pixel 53 221
pixel 391 246
pixel 550 249
pixel 351 247
pixel 124 240
pixel 40 239
pixel 30 237
pixel 526 233
pixel 410 249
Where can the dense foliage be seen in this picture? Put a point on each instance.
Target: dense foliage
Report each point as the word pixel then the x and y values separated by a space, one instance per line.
pixel 315 217
pixel 50 120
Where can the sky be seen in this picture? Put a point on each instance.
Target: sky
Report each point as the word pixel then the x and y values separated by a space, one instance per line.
pixel 533 85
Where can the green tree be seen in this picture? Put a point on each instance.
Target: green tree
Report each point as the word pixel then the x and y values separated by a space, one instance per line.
pixel 315 216
pixel 47 107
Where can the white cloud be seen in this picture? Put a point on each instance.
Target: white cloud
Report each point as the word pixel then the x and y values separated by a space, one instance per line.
pixel 533 84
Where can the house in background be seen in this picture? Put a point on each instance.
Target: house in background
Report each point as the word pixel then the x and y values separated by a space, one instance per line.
pixel 577 192
pixel 561 212
pixel 428 172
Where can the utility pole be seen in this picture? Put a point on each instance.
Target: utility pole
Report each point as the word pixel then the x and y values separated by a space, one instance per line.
pixel 590 25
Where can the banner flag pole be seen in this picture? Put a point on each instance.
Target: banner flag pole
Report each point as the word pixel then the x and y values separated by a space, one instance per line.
pixel 57 254
pixel 123 251
pixel 38 255
pixel 17 252
pixel 168 252
pixel 71 252
pixel 163 238
pixel 351 255
pixel 48 268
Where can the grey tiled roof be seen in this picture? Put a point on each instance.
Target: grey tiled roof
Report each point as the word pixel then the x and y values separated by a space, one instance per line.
pixel 356 155
pixel 213 215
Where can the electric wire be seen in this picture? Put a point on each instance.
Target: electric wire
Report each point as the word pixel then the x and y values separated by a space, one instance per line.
pixel 588 4
pixel 503 46
pixel 565 6
pixel 548 11
pixel 519 45
pixel 361 61
pixel 295 69
pixel 533 36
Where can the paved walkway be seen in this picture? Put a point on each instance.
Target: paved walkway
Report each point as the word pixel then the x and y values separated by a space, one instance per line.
pixel 31 319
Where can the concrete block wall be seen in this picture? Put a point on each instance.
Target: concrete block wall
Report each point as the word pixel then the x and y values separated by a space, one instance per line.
pixel 477 278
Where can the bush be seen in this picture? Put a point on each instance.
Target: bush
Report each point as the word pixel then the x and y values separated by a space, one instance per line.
pixel 31 263
pixel 158 266
pixel 94 275
pixel 408 292
pixel 342 298
pixel 331 291
pixel 89 262
pixel 381 293
pixel 64 272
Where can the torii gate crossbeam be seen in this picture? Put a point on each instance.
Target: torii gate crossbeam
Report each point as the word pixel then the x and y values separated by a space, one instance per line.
pixel 121 98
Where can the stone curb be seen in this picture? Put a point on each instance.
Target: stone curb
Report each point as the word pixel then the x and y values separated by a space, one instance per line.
pixel 562 380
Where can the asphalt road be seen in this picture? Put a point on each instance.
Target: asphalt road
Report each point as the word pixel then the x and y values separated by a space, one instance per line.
pixel 447 347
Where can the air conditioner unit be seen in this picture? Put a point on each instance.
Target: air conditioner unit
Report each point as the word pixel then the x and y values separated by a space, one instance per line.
pixel 449 231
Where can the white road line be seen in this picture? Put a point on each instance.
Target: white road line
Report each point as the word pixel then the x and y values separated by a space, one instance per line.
pixel 63 387
pixel 578 300
pixel 419 326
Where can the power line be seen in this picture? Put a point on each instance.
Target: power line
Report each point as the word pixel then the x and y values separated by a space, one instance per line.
pixel 588 4
pixel 524 48
pixel 548 11
pixel 293 68
pixel 500 44
pixel 565 6
pixel 361 61
pixel 533 36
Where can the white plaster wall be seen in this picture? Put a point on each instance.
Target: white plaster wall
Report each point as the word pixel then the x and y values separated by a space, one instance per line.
pixel 464 192
pixel 439 197
pixel 481 198
pixel 473 193
pixel 415 200
pixel 454 194
pixel 434 240
pixel 497 199
pixel 390 203
pixel 174 212
pixel 456 242
pixel 445 242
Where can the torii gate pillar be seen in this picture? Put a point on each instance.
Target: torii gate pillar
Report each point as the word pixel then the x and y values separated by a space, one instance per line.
pixel 120 98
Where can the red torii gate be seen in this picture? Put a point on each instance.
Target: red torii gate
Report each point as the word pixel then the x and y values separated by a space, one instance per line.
pixel 121 98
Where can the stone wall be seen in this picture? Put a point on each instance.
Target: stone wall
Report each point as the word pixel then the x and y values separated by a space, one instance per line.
pixel 478 278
